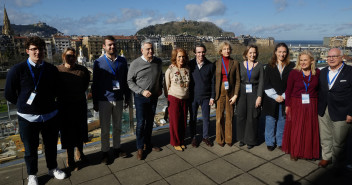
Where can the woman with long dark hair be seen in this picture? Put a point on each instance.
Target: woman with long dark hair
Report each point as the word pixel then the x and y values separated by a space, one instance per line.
pixel 275 82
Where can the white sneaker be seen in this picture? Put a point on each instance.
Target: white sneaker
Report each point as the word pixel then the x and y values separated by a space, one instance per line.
pixel 32 180
pixel 57 173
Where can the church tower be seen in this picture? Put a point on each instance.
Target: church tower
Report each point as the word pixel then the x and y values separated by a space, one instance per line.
pixel 6 28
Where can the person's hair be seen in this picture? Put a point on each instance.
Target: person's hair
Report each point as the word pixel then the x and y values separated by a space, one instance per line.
pixel 341 51
pixel 174 56
pixel 274 57
pixel 244 55
pixel 146 41
pixel 222 45
pixel 108 37
pixel 311 58
pixel 36 41
pixel 65 52
pixel 200 45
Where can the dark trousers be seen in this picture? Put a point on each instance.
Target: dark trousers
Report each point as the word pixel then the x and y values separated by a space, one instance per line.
pixel 145 112
pixel 193 111
pixel 29 132
pixel 247 117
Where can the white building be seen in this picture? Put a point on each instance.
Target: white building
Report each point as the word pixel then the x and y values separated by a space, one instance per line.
pixel 349 42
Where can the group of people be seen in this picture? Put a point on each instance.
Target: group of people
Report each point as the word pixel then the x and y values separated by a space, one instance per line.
pixel 306 110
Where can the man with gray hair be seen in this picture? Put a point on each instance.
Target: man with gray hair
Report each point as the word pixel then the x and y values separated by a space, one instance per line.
pixel 334 108
pixel 145 80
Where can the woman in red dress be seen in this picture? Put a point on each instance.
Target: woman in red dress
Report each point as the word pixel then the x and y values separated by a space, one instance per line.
pixel 301 134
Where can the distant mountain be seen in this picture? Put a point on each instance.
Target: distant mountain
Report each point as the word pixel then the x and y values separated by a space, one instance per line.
pixel 39 29
pixel 184 27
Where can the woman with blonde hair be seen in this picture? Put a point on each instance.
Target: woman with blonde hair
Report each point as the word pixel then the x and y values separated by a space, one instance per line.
pixel 301 134
pixel 74 81
pixel 227 85
pixel 176 90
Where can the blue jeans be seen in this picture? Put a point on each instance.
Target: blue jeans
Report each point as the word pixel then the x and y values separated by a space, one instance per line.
pixel 270 124
pixel 145 112
pixel 204 103
pixel 29 132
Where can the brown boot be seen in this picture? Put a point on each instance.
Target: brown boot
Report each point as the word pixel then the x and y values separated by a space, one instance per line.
pixel 139 154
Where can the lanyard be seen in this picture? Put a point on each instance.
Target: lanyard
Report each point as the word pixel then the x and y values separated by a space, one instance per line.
pixel 249 73
pixel 333 79
pixel 225 66
pixel 33 77
pixel 306 85
pixel 112 69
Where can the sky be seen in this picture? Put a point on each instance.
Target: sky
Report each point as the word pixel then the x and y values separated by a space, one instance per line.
pixel 281 19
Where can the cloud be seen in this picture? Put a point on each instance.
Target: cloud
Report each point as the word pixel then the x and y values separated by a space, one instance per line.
pixel 280 5
pixel 21 18
pixel 274 29
pixel 347 8
pixel 206 9
pixel 346 26
pixel 146 21
pixel 127 15
pixel 26 3
pixel 152 18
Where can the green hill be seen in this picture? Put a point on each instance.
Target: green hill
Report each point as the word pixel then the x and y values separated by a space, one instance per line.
pixel 184 27
pixel 40 29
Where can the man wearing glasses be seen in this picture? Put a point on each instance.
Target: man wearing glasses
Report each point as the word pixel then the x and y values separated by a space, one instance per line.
pixel 334 108
pixel 32 86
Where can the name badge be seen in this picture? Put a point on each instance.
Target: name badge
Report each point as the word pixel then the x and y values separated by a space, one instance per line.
pixel 226 84
pixel 305 99
pixel 248 88
pixel 31 98
pixel 115 85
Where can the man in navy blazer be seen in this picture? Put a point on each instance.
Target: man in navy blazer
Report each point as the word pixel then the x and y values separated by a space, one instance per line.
pixel 334 108
pixel 201 92
pixel 109 90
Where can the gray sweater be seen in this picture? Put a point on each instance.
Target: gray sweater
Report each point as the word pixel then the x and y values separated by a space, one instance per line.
pixel 143 75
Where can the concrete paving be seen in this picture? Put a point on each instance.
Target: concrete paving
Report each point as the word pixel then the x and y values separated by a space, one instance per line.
pixel 203 165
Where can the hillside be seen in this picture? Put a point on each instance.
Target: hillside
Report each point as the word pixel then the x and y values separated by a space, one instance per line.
pixel 40 29
pixel 184 27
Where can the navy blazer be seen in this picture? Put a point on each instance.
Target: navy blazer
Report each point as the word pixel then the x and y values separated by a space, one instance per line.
pixel 339 97
pixel 202 83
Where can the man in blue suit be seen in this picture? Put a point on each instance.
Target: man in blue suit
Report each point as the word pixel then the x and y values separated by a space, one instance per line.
pixel 334 108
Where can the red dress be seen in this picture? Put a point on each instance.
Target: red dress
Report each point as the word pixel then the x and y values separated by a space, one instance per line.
pixel 301 134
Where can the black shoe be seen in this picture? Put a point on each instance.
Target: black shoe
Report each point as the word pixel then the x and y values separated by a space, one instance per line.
pixel 241 144
pixel 118 152
pixel 105 159
pixel 270 148
pixel 250 146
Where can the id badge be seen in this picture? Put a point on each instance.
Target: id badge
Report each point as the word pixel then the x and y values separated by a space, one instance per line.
pixel 31 98
pixel 115 85
pixel 226 84
pixel 305 99
pixel 248 88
